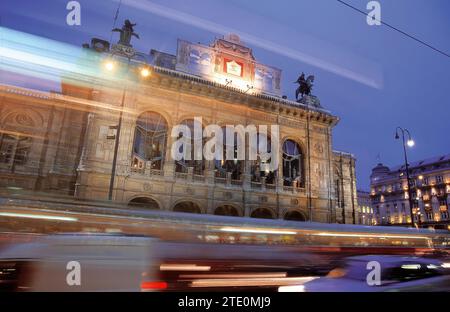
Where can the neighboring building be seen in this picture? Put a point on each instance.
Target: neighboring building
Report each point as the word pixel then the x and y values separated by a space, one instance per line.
pixel 345 190
pixel 365 208
pixel 430 187
pixel 64 143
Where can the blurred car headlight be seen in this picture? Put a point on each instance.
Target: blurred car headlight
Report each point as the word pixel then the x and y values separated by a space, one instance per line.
pixel 293 288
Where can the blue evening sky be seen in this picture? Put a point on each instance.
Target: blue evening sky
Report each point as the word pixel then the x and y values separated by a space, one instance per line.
pixel 372 77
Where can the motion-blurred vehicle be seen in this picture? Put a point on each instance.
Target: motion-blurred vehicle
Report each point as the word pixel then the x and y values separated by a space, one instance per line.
pixel 107 262
pixel 397 274
pixel 235 267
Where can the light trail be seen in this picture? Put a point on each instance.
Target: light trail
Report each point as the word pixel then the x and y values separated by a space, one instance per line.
pixel 184 267
pixel 368 235
pixel 256 231
pixel 210 26
pixel 243 282
pixel 37 216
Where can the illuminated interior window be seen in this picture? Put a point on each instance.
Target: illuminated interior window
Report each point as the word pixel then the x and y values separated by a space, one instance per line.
pixel 293 173
pixel 197 165
pixel 150 139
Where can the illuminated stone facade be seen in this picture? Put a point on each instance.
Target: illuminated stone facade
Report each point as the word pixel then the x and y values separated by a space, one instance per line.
pixel 365 210
pixel 430 179
pixel 64 143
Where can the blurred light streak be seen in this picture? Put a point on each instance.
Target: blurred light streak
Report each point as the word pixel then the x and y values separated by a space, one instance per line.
pixel 295 288
pixel 184 267
pixel 83 104
pixel 251 282
pixel 20 134
pixel 369 235
pixel 37 216
pixel 446 265
pixel 256 231
pixel 191 20
pixel 236 275
pixel 153 285
pixel 411 266
pixel 40 57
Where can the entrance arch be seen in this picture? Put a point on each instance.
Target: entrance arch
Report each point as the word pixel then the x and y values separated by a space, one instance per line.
pixel 295 216
pixel 226 210
pixel 262 213
pixel 187 206
pixel 144 202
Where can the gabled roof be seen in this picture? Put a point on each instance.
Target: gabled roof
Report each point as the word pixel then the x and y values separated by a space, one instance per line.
pixel 424 162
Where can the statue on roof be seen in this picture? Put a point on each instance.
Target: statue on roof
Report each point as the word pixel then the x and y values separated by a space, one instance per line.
pixel 305 88
pixel 126 32
pixel 305 85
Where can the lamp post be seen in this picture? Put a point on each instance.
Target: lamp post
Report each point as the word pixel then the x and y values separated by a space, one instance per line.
pixel 144 72
pixel 410 143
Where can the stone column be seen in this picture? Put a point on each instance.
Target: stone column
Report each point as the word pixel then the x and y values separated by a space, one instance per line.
pixel 169 162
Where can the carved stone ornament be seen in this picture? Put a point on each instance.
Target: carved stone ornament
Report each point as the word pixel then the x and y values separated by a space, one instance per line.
pixel 123 50
pixel 147 187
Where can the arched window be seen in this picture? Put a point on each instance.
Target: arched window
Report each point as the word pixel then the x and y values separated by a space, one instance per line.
pixel 150 140
pixel 235 166
pixel 261 168
pixel 226 210
pixel 144 202
pixel 183 164
pixel 188 207
pixel 262 213
pixel 15 139
pixel 293 171
pixel 294 216
pixel 14 149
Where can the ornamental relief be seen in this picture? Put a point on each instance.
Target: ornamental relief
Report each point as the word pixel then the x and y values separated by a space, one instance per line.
pixel 320 130
pixel 291 123
pixel 318 148
pixel 263 117
pixel 319 172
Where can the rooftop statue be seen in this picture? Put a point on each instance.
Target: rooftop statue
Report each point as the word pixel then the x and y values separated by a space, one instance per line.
pixel 126 33
pixel 305 85
pixel 305 88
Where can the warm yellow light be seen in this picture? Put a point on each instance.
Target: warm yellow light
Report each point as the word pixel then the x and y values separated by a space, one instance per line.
pixel 183 267
pixel 37 216
pixel 145 72
pixel 109 65
pixel 256 231
pixel 421 177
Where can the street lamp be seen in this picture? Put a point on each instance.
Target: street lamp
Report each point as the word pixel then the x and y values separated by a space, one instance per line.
pixel 144 73
pixel 109 65
pixel 410 143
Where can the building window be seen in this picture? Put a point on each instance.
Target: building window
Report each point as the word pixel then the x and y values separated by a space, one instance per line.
pixel 293 173
pixel 14 150
pixel 233 166
pixel 150 140
pixel 429 215
pixel 439 179
pixel 197 165
pixel 261 169
pixel 425 181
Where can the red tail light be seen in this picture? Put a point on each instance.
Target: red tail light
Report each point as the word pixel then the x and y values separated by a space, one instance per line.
pixel 153 285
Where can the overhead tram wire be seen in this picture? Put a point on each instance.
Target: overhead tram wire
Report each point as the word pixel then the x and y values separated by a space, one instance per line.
pixel 396 29
pixel 116 16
